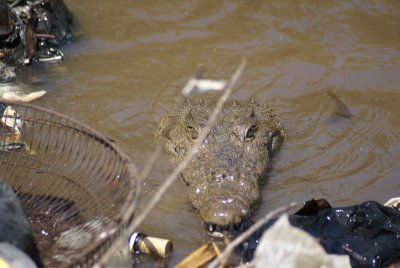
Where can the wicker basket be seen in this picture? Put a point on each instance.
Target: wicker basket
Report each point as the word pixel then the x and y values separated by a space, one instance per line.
pixel 70 179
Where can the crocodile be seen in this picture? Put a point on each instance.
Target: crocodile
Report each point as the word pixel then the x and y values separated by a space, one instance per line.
pixel 225 176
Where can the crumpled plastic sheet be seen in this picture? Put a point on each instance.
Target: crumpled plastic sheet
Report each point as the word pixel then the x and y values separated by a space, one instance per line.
pixel 286 246
pixel 369 233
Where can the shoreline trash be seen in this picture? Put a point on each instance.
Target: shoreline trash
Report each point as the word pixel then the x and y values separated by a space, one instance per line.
pixel 200 256
pixel 140 242
pixel 368 232
pixel 284 245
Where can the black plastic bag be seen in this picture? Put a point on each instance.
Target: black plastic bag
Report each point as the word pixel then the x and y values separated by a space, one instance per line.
pixel 369 233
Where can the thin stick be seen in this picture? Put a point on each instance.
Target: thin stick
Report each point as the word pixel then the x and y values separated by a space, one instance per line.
pixel 243 236
pixel 143 175
pixel 174 175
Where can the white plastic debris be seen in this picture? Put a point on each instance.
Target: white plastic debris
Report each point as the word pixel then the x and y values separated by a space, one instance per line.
pixel 286 246
pixel 12 119
pixel 393 202
pixel 16 96
pixel 202 85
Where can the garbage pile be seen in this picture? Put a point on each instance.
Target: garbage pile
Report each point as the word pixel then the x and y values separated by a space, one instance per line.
pixel 367 235
pixel 30 31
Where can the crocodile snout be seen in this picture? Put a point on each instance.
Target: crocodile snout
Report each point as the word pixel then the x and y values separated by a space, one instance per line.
pixel 224 211
pixel 224 200
pixel 225 214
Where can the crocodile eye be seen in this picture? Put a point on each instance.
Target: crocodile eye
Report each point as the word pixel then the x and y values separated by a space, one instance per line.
pixel 273 142
pixel 250 132
pixel 193 134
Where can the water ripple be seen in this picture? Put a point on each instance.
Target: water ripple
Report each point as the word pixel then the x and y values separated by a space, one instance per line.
pixel 338 158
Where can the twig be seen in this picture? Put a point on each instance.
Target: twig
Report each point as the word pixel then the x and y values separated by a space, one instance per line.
pixel 174 175
pixel 145 172
pixel 243 236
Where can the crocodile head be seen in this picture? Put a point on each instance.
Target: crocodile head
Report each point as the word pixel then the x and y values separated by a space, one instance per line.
pixel 224 176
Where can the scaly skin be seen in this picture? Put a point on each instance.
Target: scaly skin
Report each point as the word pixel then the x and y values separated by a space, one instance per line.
pixel 224 176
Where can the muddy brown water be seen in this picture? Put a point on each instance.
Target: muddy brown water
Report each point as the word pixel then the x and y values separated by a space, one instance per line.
pixel 330 70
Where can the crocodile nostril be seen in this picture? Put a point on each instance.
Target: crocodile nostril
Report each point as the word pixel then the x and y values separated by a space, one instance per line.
pixel 220 177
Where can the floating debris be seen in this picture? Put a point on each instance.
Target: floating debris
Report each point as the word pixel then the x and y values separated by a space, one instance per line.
pixel 368 233
pixel 17 96
pixel 195 85
pixel 11 119
pixel 284 245
pixel 200 256
pixel 139 242
pixel 341 109
pixel 393 202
